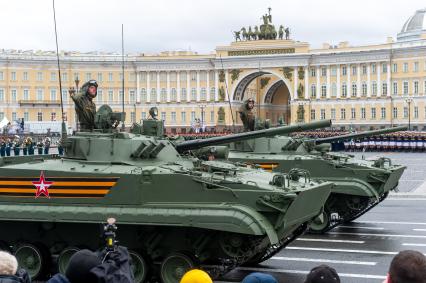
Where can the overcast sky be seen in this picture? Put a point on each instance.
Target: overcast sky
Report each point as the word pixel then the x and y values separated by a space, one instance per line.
pixel 199 25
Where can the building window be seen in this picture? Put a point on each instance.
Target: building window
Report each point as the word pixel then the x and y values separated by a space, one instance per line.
pixel 183 117
pixel 1 94
pixel 395 88
pixel 416 87
pixel 405 112
pixel 39 76
pixel 153 94
pixel 354 89
pixel 132 97
pixel 26 94
pixel 26 116
pixel 100 78
pixel 163 116
pixel 353 114
pixel 13 76
pixel 53 116
pixel 1 78
pixel 110 77
pixel 13 95
pixel 334 71
pixel 64 95
pixel 405 68
pixel 88 76
pixel 203 93
pixel 416 66
pixel 384 88
pixel 173 94
pixel 120 96
pixel 394 67
pixel 323 72
pixel 193 93
pixel 323 91
pixel 53 95
pixel 53 76
pixel 212 93
pixel 384 68
pixel 110 96
pixel 344 70
pixel 364 69
pixel 344 90
pixel 373 68
pixel 25 76
pixel 143 95
pixel 39 116
pixel 313 91
pixel 40 94
pixel 173 117
pixel 416 112
pixel 132 117
pixel 374 88
pixel 183 96
pixel 395 112
pixel 14 116
pixel 212 116
pixel 1 115
pixel 364 89
pixel 363 113
pixel 343 114
pixel 373 113
pixel 64 77
pixel 405 88
pixel 333 114
pixel 193 76
pixel 312 114
pixel 313 72
pixel 163 95
pixel 383 112
pixel 333 90
pixel 354 70
pixel 192 116
pixel 322 114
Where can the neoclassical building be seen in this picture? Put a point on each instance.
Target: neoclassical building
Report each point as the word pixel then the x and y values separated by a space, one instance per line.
pixel 361 87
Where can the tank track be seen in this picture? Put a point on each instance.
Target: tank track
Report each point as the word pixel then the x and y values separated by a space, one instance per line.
pixel 334 221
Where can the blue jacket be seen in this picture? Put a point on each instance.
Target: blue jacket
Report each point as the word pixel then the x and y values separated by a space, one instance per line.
pixel 58 278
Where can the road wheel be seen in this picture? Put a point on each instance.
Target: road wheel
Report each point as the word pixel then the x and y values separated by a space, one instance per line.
pixel 139 266
pixel 320 223
pixel 64 258
pixel 174 266
pixel 35 259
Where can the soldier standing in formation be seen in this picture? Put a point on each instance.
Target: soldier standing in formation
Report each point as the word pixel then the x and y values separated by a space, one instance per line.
pixel 8 147
pixel 84 105
pixel 17 146
pixel 3 148
pixel 46 145
pixel 247 116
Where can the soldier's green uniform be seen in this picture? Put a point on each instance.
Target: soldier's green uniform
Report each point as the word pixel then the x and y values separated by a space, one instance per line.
pixel 85 107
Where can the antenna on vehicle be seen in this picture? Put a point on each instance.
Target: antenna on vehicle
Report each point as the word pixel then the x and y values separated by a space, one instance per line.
pixel 227 93
pixel 122 70
pixel 64 129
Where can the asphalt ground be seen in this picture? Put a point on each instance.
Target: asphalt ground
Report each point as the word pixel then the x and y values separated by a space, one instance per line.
pixel 362 250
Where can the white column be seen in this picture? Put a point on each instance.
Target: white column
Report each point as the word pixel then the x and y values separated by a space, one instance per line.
pixel 138 90
pixel 178 86
pixel 348 81
pixel 188 85
pixel 168 86
pixel 338 86
pixel 227 94
pixel 379 84
pixel 158 87
pixel 198 85
pixel 328 82
pixel 388 79
pixel 148 86
pixel 216 85
pixel 295 83
pixel 358 80
pixel 208 86
pixel 307 82
pixel 369 80
pixel 318 94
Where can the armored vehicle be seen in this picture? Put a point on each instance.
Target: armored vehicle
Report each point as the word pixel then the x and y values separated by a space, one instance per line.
pixel 359 184
pixel 173 212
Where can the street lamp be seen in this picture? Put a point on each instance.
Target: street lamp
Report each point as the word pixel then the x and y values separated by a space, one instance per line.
pixel 202 106
pixel 408 100
pixel 77 81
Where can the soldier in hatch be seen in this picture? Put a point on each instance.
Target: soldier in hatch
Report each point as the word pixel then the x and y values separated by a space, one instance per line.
pixel 84 105
pixel 247 115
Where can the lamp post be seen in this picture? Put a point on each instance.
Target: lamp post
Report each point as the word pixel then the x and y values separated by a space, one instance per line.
pixel 76 81
pixel 202 106
pixel 408 101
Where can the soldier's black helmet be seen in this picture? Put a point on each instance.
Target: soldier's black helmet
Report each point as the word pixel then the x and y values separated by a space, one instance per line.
pixel 86 85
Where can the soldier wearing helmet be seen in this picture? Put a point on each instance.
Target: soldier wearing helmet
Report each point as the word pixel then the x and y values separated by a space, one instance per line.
pixel 247 116
pixel 84 105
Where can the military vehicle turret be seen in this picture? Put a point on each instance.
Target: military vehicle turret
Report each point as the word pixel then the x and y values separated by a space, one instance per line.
pixel 173 212
pixel 359 184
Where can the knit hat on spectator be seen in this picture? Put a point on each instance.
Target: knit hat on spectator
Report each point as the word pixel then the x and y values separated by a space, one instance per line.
pixel 79 266
pixel 322 274
pixel 196 276
pixel 258 277
pixel 8 264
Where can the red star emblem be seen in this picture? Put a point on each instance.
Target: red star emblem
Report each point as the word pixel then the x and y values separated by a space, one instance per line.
pixel 42 185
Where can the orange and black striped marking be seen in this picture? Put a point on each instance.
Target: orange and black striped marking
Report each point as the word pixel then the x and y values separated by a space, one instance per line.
pixel 62 187
pixel 268 166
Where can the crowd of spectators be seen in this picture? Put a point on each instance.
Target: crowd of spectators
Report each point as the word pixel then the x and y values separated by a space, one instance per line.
pixel 26 145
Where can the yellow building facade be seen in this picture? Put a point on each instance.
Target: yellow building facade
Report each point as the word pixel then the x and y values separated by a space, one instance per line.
pixel 359 87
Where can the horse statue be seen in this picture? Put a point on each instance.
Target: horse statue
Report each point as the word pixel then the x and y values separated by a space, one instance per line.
pixel 244 33
pixel 287 33
pixel 249 33
pixel 281 32
pixel 255 34
pixel 237 36
pixel 273 32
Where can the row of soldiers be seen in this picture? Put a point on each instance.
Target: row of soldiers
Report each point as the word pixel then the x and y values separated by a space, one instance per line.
pixel 388 143
pixel 26 145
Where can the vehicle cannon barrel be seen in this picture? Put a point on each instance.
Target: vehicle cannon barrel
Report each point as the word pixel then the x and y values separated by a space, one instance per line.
pixel 196 144
pixel 360 135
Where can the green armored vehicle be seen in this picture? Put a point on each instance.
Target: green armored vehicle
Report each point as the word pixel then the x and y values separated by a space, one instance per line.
pixel 359 184
pixel 173 212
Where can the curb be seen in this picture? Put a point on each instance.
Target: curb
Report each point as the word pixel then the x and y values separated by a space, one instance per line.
pixel 407 195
